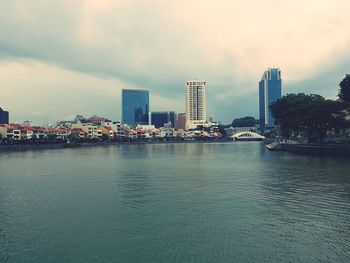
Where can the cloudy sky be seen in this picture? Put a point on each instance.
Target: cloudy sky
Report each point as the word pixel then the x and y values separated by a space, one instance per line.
pixel 59 58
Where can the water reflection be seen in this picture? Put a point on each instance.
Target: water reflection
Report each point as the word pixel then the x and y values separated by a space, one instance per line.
pixel 305 191
pixel 4 224
pixel 174 203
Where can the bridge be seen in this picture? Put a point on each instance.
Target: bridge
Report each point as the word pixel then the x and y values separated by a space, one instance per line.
pixel 247 136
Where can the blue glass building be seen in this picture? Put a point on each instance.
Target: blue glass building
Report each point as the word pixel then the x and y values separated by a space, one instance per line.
pixel 4 116
pixel 158 119
pixel 135 107
pixel 270 90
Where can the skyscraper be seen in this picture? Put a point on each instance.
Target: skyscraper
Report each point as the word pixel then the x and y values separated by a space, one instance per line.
pixel 195 103
pixel 4 116
pixel 158 119
pixel 270 90
pixel 135 107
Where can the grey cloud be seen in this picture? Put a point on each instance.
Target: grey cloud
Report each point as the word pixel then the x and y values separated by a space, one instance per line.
pixel 139 45
pixel 325 82
pixel 134 51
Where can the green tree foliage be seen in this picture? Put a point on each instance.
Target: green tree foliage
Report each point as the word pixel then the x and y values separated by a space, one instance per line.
pixel 73 137
pixel 222 130
pixel 247 121
pixel 51 137
pixel 105 137
pixel 344 91
pixel 310 114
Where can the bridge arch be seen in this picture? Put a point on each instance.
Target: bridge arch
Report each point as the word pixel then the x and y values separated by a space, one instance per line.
pixel 247 135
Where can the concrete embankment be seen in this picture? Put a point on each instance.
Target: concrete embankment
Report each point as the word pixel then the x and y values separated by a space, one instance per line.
pixel 319 149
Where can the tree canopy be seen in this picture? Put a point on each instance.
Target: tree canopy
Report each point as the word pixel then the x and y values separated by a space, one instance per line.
pixel 344 91
pixel 311 114
pixel 247 121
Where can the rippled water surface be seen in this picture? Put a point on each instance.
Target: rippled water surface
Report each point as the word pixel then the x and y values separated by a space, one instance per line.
pixel 232 202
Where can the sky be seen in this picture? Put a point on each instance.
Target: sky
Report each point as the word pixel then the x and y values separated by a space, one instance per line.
pixel 59 58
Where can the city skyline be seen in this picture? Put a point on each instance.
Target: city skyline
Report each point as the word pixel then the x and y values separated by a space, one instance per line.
pixel 59 62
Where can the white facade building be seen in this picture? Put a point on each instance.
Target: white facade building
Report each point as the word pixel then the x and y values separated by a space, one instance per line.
pixel 196 108
pixel 91 130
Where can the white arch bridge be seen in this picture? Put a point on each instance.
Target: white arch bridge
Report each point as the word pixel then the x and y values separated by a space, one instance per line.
pixel 247 136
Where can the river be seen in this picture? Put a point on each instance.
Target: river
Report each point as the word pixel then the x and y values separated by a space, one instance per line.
pixel 200 202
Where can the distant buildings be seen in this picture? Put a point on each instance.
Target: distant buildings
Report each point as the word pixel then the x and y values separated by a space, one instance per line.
pixel 158 119
pixel 180 121
pixel 211 118
pixel 270 90
pixel 4 116
pixel 95 120
pixel 135 107
pixel 91 130
pixel 97 129
pixel 195 103
pixel 20 132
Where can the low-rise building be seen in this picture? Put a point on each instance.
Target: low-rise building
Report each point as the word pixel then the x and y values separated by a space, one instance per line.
pixel 60 132
pixel 95 120
pixel 79 133
pixel 26 133
pixel 92 131
pixel 145 127
pixel 13 132
pixel 168 129
pixel 107 131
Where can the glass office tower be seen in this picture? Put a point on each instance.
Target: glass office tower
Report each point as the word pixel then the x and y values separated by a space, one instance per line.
pixel 158 119
pixel 270 90
pixel 135 107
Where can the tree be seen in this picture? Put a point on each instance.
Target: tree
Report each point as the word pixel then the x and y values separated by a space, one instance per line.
pixel 73 137
pixel 105 137
pixel 344 91
pixel 51 137
pixel 221 129
pixel 310 114
pixel 247 121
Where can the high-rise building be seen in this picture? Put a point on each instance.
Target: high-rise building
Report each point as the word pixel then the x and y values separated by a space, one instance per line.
pixel 4 116
pixel 195 103
pixel 180 121
pixel 135 107
pixel 211 118
pixel 270 90
pixel 158 119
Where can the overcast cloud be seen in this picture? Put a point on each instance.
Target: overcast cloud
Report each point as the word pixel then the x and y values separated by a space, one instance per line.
pixel 60 58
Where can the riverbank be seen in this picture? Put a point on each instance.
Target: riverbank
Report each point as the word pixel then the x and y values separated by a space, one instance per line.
pixel 27 147
pixel 316 149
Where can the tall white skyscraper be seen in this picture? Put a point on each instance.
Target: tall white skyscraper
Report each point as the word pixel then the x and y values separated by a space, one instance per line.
pixel 196 108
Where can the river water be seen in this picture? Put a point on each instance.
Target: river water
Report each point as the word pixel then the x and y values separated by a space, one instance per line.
pixel 205 202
